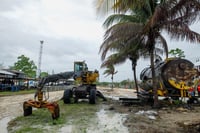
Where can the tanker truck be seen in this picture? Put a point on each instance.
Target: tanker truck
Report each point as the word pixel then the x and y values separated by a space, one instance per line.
pixel 174 78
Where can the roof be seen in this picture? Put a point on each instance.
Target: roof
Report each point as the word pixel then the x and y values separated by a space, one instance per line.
pixel 197 63
pixel 13 71
pixel 6 72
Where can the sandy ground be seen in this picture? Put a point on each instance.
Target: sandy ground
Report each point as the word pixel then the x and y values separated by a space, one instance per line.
pixel 139 119
pixel 170 118
pixel 12 106
pixel 118 92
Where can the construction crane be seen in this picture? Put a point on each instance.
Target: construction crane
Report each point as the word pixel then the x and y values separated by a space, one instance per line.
pixel 40 59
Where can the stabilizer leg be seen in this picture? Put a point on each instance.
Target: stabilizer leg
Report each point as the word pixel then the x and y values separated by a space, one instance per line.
pixel 99 94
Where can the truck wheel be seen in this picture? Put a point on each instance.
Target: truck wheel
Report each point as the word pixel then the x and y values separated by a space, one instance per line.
pixel 56 113
pixel 92 97
pixel 27 109
pixel 67 96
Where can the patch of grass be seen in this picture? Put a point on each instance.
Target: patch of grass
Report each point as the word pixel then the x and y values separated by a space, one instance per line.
pixel 10 93
pixel 79 114
pixel 29 130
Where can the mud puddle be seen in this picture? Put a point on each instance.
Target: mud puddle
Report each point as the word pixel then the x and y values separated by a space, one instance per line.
pixel 109 121
pixel 106 121
pixel 3 124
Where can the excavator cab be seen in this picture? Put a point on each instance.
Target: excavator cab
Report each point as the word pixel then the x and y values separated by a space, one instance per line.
pixel 80 66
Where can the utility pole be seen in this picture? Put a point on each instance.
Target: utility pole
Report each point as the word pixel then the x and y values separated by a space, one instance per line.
pixel 40 59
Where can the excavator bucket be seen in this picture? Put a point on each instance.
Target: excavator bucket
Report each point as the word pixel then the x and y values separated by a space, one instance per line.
pixel 54 109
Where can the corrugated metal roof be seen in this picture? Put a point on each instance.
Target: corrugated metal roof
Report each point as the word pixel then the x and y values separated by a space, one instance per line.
pixel 6 72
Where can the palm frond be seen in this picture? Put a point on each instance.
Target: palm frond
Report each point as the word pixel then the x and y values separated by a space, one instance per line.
pixel 164 45
pixel 120 18
pixel 118 36
pixel 114 59
pixel 183 33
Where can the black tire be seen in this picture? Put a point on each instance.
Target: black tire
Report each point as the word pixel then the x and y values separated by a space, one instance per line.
pixel 67 96
pixel 27 109
pixel 92 97
pixel 56 114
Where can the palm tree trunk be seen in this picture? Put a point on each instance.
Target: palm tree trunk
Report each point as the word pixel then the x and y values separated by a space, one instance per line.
pixel 135 78
pixel 112 83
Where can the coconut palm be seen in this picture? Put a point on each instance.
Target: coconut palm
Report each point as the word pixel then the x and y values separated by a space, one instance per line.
pixel 119 58
pixel 117 38
pixel 174 16
pixel 121 29
pixel 125 36
pixel 110 71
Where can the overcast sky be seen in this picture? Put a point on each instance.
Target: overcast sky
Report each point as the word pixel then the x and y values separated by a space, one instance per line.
pixel 71 31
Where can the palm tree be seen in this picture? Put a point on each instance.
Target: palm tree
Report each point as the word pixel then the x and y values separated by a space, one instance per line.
pixel 126 35
pixel 120 56
pixel 118 38
pixel 110 71
pixel 173 16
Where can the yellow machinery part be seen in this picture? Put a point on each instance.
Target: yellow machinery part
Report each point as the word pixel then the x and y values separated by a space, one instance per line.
pixel 179 85
pixel 87 78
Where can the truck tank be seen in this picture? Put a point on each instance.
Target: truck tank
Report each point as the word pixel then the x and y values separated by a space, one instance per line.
pixel 174 77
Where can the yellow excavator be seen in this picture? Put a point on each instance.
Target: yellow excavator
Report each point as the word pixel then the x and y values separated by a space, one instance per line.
pixel 86 87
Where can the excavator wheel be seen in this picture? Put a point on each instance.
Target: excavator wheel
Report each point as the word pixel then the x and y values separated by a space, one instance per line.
pixel 67 96
pixel 56 113
pixel 27 109
pixel 92 97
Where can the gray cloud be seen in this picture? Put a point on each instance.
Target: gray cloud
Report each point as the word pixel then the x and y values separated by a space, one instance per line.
pixel 7 5
pixel 70 32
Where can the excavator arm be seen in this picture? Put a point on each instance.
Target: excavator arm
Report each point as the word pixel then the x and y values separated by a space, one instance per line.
pixel 39 101
pixel 54 78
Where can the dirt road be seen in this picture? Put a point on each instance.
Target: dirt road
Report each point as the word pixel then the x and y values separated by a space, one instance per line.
pixel 12 106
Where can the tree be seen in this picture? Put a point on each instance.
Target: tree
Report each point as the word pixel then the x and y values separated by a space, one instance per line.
pixel 177 53
pixel 121 28
pixel 173 16
pixel 25 65
pixel 120 57
pixel 43 74
pixel 110 71
pixel 123 36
